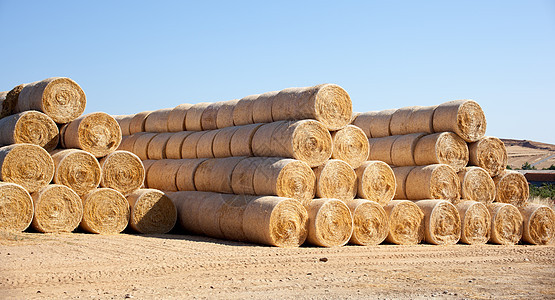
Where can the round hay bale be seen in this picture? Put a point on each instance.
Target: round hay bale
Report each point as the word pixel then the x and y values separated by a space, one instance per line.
pixel 399 123
pixel 105 211
pixel 224 118
pixel 406 222
pixel 441 148
pixel 402 150
pixel 401 174
pixel 330 223
pixel 376 182
pixel 140 147
pixel 185 178
pixel 242 177
pixel 221 146
pixel 476 185
pixel 241 141
pixel 97 133
pixel 76 169
pixel 137 123
pixel 147 164
pixel 231 216
pixel 214 175
pixel 157 146
pixel 511 187
pixel 17 208
pixel 539 224
pixel 209 116
pixel 189 145
pixel 162 175
pixel 412 119
pixel 127 142
pixel 175 143
pixel 124 121
pixel 151 211
pixel 475 222
pixel 193 121
pixel 262 139
pixel 350 144
pixel 506 224
pixel 177 116
pixel 57 209
pixel 60 98
pixel 488 153
pixel 370 223
pixel 243 111
pixel 433 182
pixel 30 127
pixel 380 148
pixel 122 171
pixel 10 101
pixel 157 121
pixel 442 224
pixel 208 215
pixel 3 106
pixel 262 107
pixel 187 206
pixel 335 179
pixel 463 117
pixel 375 124
pixel 27 165
pixel 205 144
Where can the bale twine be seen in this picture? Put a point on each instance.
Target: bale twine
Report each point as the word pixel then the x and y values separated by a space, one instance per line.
pixel 27 165
pixel 401 174
pixel 335 179
pixel 57 209
pixel 406 222
pixel 10 101
pixel 476 185
pixel 176 118
pixel 370 223
pixel 205 144
pixel 122 171
pixel 17 210
pixel 60 98
pixel 330 223
pixel 241 141
pixel 209 117
pixel 124 121
pixel 511 187
pixel 402 150
pixel 162 175
pixel 475 222
pixel 157 120
pixel 105 211
pixel 175 143
pixel 224 118
pixel 442 224
pixel 189 145
pixel 488 153
pixel 151 211
pixel 285 178
pixel 376 182
pixel 185 178
pixel 375 124
pixel 243 111
pixel 539 224
pixel 156 148
pixel 193 120
pixel 380 148
pixel 31 127
pixel 441 148
pixel 214 175
pixel 350 144
pixel 463 117
pixel 140 147
pixel 242 177
pixel 262 107
pixel 76 169
pixel 231 216
pixel 97 133
pixel 137 123
pixel 433 182
pixel 262 139
pixel 221 146
pixel 506 224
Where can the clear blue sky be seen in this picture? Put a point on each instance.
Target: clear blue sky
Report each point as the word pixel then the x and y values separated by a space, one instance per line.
pixel 131 56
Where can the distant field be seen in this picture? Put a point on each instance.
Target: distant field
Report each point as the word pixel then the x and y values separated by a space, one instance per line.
pixel 539 155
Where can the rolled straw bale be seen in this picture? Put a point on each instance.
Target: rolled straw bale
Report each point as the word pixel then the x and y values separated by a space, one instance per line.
pixel 376 182
pixel 27 165
pixel 31 127
pixel 185 178
pixel 127 142
pixel 335 179
pixel 10 101
pixel 137 123
pixel 402 150
pixel 208 215
pixel 350 144
pixel 442 224
pixel 151 211
pixel 162 175
pixel 262 139
pixel 399 122
pixel 60 98
pixel 76 169
pixel 146 164
pixel 330 223
pixel 157 146
pixel 214 175
pixel 463 117
pixel 231 216
pixel 412 119
pixel 205 144
pixel 370 223
pixel 475 222
pixel 16 205
pixel 242 177
pixel 401 174
pixel 97 133
pixel 57 209
pixel 140 147
pixel 175 144
pixel 124 121
pixel 262 107
pixel 380 148
pixel 209 117
pixel 243 111
pixel 221 146
pixel 433 182
pixel 177 116
pixel 285 178
pixel 488 153
pixel 157 121
pixel 511 187
pixel 241 141
pixel 406 222
pixel 122 171
pixel 105 211
pixel 506 223
pixel 193 120
pixel 375 124
pixel 189 146
pixel 441 148
pixel 187 207
pixel 224 118
pixel 477 185
pixel 3 105
pixel 539 224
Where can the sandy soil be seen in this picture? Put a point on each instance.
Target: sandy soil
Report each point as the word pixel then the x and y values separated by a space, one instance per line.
pixel 86 266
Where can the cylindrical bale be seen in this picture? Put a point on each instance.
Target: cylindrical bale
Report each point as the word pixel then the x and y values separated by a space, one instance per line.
pixel 463 117
pixel 221 146
pixel 27 165
pixel 193 120
pixel 208 215
pixel 241 141
pixel 189 145
pixel 406 222
pixel 476 185
pixel 57 209
pixel 10 101
pixel 433 182
pixel 350 144
pixel 224 118
pixel 475 222
pixel 4 111
pixel 137 123
pixel 243 111
pixel 539 224
pixel 511 187
pixel 140 147
pixel 127 142
pixel 209 116
pixel 185 178
pixel 370 223
pixel 376 182
pixel 60 98
pixel 401 174
pixel 157 146
pixel 330 223
pixel 262 107
pixel 214 175
pixel 146 164
pixel 31 127
pixel 375 124
pixel 162 175
pixel 441 148
pixel 175 144
pixel 97 133
pixel 421 119
pixel 231 216
pixel 17 208
pixel 506 224
pixel 242 177
pixel 488 153
pixel 335 179
pixel 177 116
pixel 380 148
pixel 152 211
pixel 399 123
pixel 285 178
pixel 442 223
pixel 402 150
pixel 187 205
pixel 262 139
pixel 122 171
pixel 205 143
pixel 76 169
pixel 124 121
pixel 157 121
pixel 105 211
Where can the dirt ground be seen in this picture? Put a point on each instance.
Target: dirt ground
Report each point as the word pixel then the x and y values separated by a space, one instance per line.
pixel 87 266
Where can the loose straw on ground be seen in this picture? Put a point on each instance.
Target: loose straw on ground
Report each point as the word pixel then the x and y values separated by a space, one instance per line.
pixel 441 148
pixel 76 169
pixel 475 222
pixel 506 223
pixel 335 179
pixel 27 165
pixel 122 171
pixel 376 182
pixel 539 224
pixel 463 117
pixel 488 153
pixel 511 187
pixel 330 223
pixel 17 208
pixel 406 222
pixel 477 185
pixel 375 124
pixel 30 127
pixel 370 222
pixel 105 211
pixel 151 211
pixel 350 144
pixel 97 133
pixel 433 182
pixel 442 224
pixel 57 209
